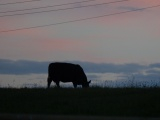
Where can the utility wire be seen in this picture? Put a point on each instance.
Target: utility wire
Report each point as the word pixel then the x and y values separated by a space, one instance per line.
pixel 19 2
pixel 65 8
pixel 48 6
pixel 83 19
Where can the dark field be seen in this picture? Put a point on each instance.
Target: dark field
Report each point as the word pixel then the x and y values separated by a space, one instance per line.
pixel 120 102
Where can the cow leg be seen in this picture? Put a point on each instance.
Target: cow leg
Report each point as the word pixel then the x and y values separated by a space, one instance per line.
pixel 49 80
pixel 57 83
pixel 75 85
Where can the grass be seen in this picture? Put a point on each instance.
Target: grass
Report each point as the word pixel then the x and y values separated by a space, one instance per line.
pixel 124 102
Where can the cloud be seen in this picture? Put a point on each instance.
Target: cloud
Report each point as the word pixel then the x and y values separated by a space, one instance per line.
pixel 22 67
pixel 155 65
pixel 95 71
pixel 111 68
pixel 29 67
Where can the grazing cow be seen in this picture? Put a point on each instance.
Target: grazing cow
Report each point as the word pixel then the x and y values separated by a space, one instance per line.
pixel 67 72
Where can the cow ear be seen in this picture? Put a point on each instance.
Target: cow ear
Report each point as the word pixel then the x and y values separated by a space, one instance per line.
pixel 89 81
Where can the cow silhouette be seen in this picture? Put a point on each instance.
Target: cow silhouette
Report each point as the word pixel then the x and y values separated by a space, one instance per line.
pixel 67 72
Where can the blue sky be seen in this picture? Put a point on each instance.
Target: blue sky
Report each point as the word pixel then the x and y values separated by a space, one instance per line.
pixel 122 44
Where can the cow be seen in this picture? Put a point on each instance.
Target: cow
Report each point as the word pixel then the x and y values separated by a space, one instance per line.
pixel 67 72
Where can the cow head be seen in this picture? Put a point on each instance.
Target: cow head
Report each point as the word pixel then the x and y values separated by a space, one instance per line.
pixel 85 85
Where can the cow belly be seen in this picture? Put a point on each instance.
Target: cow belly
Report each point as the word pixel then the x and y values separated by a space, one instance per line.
pixel 63 78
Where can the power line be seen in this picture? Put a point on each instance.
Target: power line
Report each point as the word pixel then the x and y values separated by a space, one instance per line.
pixel 19 2
pixel 65 8
pixel 48 6
pixel 83 19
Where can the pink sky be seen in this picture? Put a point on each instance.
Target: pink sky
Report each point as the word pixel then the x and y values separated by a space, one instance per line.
pixel 130 37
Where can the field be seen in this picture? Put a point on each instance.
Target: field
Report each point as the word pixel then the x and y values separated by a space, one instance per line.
pixel 117 102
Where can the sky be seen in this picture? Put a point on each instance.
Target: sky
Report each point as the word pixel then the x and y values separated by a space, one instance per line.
pixel 108 48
